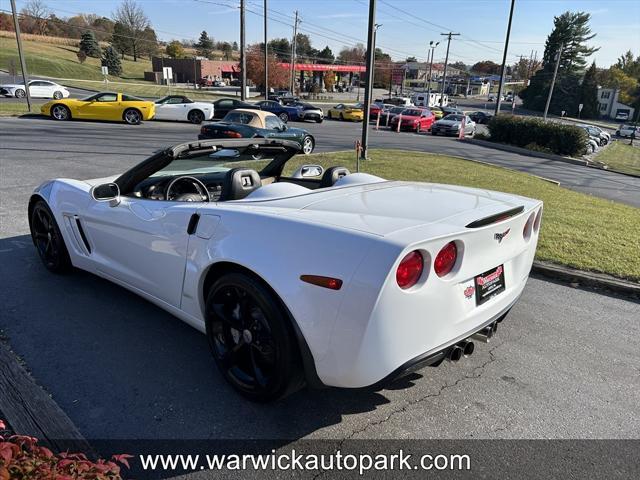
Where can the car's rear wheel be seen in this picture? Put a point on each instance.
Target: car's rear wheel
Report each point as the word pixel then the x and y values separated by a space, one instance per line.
pixel 60 112
pixel 250 338
pixel 196 116
pixel 284 116
pixel 307 145
pixel 48 240
pixel 20 93
pixel 57 95
pixel 132 116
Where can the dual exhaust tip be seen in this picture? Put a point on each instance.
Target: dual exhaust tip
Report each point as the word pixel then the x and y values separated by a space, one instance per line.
pixel 466 347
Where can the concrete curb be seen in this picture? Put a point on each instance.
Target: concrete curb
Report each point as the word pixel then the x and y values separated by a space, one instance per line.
pixel 524 151
pixel 589 279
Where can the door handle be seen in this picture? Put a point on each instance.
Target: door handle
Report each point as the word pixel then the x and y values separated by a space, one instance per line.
pixel 193 224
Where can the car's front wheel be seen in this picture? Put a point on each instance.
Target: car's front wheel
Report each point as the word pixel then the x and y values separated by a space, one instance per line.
pixel 20 93
pixel 132 116
pixel 250 339
pixel 60 112
pixel 48 240
pixel 284 116
pixel 195 116
pixel 307 145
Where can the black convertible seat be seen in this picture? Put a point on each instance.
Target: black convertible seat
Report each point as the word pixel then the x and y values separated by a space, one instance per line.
pixel 332 175
pixel 238 183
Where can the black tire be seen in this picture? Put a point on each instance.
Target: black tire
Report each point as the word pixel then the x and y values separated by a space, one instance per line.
pixel 433 132
pixel 308 144
pixel 284 116
pixel 329 115
pixel 196 116
pixel 60 112
pixel 342 117
pixel 132 116
pixel 251 339
pixel 318 120
pixel 48 239
pixel 57 95
pixel 20 93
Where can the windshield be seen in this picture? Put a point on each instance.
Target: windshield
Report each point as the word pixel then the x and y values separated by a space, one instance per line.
pixel 412 112
pixel 209 163
pixel 238 117
pixel 453 117
pixel 397 110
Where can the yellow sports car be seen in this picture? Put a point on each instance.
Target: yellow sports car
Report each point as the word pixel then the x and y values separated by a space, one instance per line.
pixel 101 106
pixel 346 112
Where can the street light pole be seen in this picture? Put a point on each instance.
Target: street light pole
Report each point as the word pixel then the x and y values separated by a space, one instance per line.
pixel 266 55
pixel 446 62
pixel 553 81
pixel 294 45
pixel 432 47
pixel 504 59
pixel 371 55
pixel 23 65
pixel 243 55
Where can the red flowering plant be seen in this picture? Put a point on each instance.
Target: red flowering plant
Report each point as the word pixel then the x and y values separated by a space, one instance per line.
pixel 21 458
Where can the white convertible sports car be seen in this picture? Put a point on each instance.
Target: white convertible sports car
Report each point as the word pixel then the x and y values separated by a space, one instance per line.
pixel 329 278
pixel 182 109
pixel 37 89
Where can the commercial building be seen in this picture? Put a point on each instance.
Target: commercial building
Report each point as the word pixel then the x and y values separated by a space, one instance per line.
pixel 188 70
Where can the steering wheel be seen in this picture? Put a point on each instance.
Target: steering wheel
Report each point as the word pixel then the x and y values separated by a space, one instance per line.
pixel 201 194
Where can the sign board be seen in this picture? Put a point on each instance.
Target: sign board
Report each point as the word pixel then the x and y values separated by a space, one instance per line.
pixel 105 70
pixel 167 73
pixel 580 107
pixel 397 76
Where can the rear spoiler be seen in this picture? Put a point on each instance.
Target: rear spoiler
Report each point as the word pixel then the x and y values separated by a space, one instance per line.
pixel 496 217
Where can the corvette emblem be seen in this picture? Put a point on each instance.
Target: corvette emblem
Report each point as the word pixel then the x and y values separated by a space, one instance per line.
pixel 469 291
pixel 500 236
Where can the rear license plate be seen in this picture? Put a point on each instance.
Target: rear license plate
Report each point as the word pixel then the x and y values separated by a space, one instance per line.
pixel 489 284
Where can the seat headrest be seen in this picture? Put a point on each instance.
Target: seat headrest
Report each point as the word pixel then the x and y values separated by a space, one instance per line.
pixel 332 175
pixel 238 183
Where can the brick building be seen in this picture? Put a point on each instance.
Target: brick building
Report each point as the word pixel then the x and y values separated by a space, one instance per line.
pixel 188 70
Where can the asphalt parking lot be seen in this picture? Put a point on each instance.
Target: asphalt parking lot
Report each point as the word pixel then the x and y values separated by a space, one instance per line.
pixel 565 363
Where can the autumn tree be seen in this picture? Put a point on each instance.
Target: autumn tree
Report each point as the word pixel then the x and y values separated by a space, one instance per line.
pixel 175 49
pixel 278 75
pixel 329 79
pixel 487 67
pixel 37 13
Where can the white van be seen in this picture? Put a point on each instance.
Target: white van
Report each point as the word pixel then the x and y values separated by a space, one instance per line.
pixel 426 99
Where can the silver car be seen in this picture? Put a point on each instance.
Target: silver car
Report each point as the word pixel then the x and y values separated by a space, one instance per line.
pixel 451 124
pixel 309 112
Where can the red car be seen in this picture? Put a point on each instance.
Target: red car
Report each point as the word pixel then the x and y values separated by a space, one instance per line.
pixel 414 119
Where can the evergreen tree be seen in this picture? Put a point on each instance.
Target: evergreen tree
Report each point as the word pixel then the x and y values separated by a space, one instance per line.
pixel 89 45
pixel 111 59
pixel 204 47
pixel 326 56
pixel 571 31
pixel 589 93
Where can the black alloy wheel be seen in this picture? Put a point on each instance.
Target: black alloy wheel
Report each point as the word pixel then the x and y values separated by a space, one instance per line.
pixel 196 116
pixel 250 338
pixel 48 240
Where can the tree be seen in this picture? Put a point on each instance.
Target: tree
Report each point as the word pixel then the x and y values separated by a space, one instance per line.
pixel 37 12
pixel 227 50
pixel 411 59
pixel 304 50
pixel 571 30
pixel 81 56
pixel 235 46
pixel 89 45
pixel 278 76
pixel 354 54
pixel 326 56
pixel 589 93
pixel 133 22
pixel 615 78
pixel 149 43
pixel 629 65
pixel 487 67
pixel 460 66
pixel 175 49
pixel 111 60
pixel 120 39
pixel 103 28
pixel 281 48
pixel 329 79
pixel 204 47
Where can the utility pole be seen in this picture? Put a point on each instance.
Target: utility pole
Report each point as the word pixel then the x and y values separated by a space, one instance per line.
pixel 553 81
pixel 371 56
pixel 504 59
pixel 23 65
pixel 432 47
pixel 266 55
pixel 446 62
pixel 243 55
pixel 294 45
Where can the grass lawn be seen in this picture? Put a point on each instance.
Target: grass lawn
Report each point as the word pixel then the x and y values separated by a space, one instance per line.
pixel 621 156
pixel 578 230
pixel 13 109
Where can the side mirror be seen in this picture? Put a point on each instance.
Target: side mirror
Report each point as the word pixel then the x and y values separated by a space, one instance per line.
pixel 106 192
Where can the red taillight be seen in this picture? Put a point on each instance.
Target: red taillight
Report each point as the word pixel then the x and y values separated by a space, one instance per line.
pixel 203 130
pixel 409 270
pixel 326 282
pixel 526 231
pixel 446 259
pixel 536 224
pixel 231 134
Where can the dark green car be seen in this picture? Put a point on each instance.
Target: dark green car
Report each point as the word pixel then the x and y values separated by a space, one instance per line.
pixel 244 123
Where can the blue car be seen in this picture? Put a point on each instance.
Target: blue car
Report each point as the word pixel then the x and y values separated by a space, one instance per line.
pixel 285 112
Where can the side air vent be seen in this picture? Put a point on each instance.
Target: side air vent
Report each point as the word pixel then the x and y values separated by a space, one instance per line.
pixel 495 218
pixel 82 235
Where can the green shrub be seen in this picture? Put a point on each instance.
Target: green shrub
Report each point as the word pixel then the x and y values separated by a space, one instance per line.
pixel 558 138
